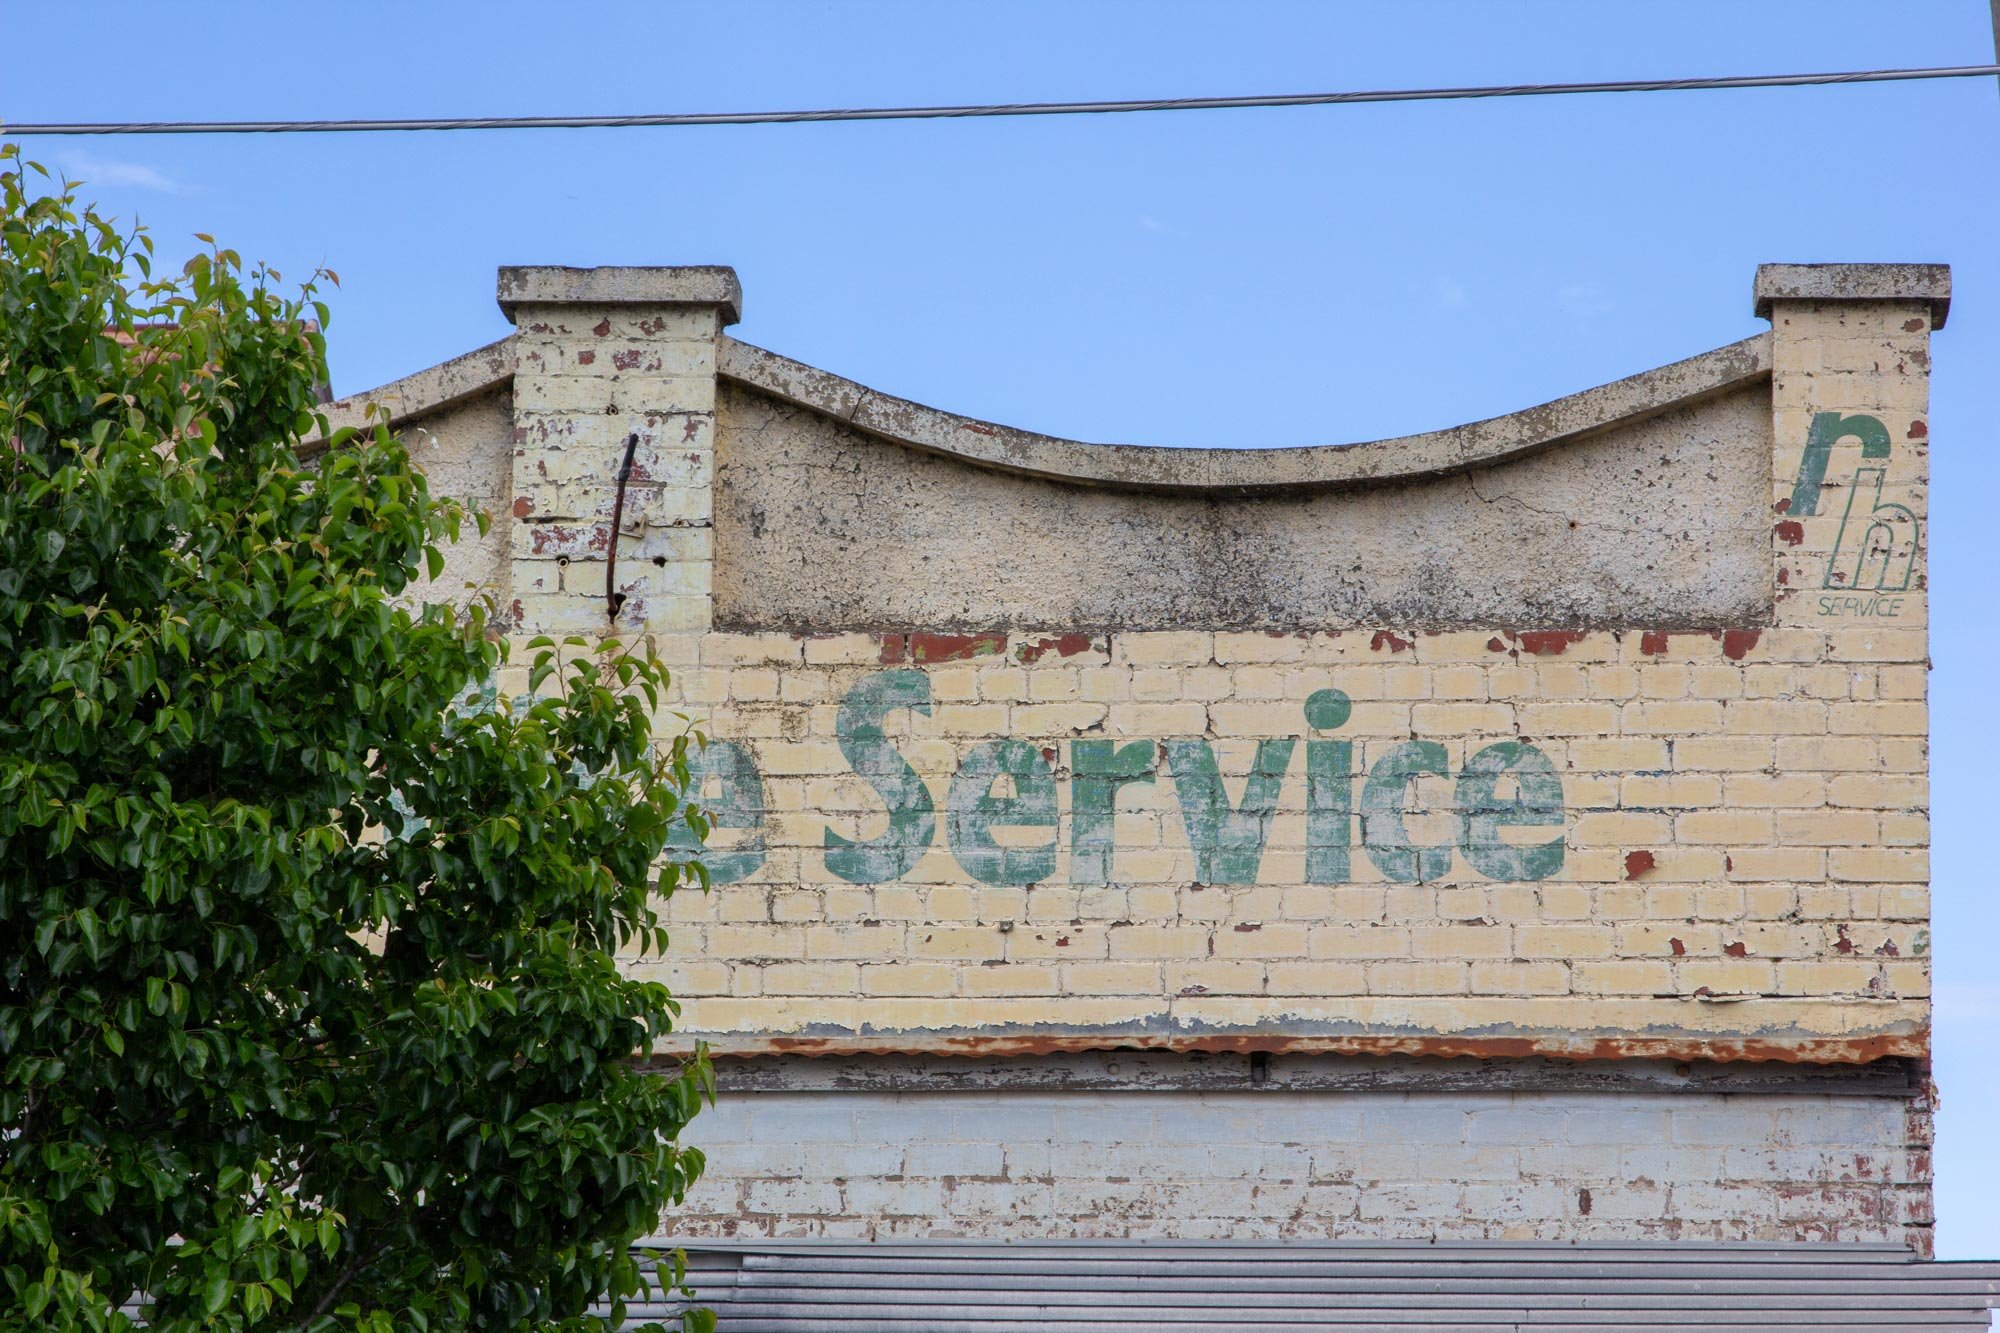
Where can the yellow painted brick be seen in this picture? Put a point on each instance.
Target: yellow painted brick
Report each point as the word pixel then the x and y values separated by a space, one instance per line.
pixel 751 649
pixel 1767 790
pixel 1671 717
pixel 1668 939
pixel 1877 645
pixel 1828 828
pixel 909 979
pixel 1614 681
pixel 1715 682
pixel 1626 976
pixel 1159 941
pixel 1216 976
pixel 1738 828
pixel 1232 646
pixel 1462 719
pixel 854 941
pixel 1519 978
pixel 1445 682
pixel 1621 827
pixel 1050 685
pixel 1834 976
pixel 810 978
pixel 1775 717
pixel 1903 828
pixel 1903 682
pixel 1111 978
pixel 1828 754
pixel 1410 978
pixel 1578 941
pixel 1621 754
pixel 1359 941
pixel 1009 979
pixel 1460 942
pixel 1669 789
pixel 1171 648
pixel 1879 791
pixel 1161 720
pixel 1879 719
pixel 1563 902
pixel 1003 684
pixel 1250 939
pixel 1464 646
pixel 779 943
pixel 1723 754
pixel 1881 864
pixel 1316 978
pixel 1568 719
pixel 1727 976
pixel 1665 680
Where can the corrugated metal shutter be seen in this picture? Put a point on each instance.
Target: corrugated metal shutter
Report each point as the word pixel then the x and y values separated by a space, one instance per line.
pixel 757 1286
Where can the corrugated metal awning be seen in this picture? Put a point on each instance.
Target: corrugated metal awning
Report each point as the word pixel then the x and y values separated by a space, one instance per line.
pixel 821 1286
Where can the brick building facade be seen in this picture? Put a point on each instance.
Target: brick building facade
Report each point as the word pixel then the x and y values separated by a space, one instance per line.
pixel 1513 831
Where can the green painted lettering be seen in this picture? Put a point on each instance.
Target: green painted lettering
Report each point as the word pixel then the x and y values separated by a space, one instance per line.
pixel 737 803
pixel 1097 770
pixel 1228 841
pixel 912 813
pixel 972 812
pixel 1384 803
pixel 1329 791
pixel 1827 430
pixel 1537 802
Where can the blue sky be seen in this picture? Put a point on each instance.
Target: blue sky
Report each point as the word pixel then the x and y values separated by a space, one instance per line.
pixel 1246 278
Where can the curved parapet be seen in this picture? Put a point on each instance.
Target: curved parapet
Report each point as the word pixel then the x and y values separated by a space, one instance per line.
pixel 1154 468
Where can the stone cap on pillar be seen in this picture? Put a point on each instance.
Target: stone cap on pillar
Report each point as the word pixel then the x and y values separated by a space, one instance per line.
pixel 1855 282
pixel 697 284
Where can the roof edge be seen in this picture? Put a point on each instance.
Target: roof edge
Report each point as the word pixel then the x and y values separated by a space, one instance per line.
pixel 443 385
pixel 1159 468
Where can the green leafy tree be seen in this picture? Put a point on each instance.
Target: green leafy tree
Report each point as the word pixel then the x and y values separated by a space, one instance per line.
pixel 308 1012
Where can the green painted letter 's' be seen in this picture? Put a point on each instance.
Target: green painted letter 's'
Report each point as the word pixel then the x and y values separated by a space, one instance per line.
pixel 912 813
pixel 737 804
pixel 1228 841
pixel 972 812
pixel 1097 770
pixel 1384 802
pixel 1537 802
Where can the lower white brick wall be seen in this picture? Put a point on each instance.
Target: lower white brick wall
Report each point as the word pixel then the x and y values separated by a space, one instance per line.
pixel 1282 1163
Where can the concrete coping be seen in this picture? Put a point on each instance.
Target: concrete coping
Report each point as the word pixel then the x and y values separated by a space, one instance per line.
pixel 697 284
pixel 444 385
pixel 1927 283
pixel 1247 471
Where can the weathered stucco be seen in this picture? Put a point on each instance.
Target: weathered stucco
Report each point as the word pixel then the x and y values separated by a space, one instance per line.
pixel 1658 523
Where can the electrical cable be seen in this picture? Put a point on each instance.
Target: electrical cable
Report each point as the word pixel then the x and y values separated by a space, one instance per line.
pixel 683 119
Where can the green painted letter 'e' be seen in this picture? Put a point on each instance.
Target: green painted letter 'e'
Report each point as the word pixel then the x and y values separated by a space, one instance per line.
pixel 912 814
pixel 1482 812
pixel 1384 801
pixel 972 812
pixel 737 804
pixel 1097 770
pixel 1228 841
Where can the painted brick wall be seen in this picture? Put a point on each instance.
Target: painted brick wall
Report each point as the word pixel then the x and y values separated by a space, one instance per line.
pixel 1246 1165
pixel 1682 832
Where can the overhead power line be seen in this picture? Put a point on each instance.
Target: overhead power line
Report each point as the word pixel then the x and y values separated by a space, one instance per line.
pixel 1000 109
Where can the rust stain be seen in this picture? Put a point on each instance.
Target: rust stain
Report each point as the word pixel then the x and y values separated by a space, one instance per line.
pixel 1783 506
pixel 1913 326
pixel 603 329
pixel 586 358
pixel 1385 639
pixel 1784 575
pixel 1918 430
pixel 523 507
pixel 893 649
pixel 955 647
pixel 1638 863
pixel 976 428
pixel 1737 642
pixel 1680 949
pixel 1720 1050
pixel 1583 1202
pixel 1547 642
pixel 1841 943
pixel 1791 532
pixel 1063 645
pixel 1653 643
pixel 1736 949
pixel 1495 645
